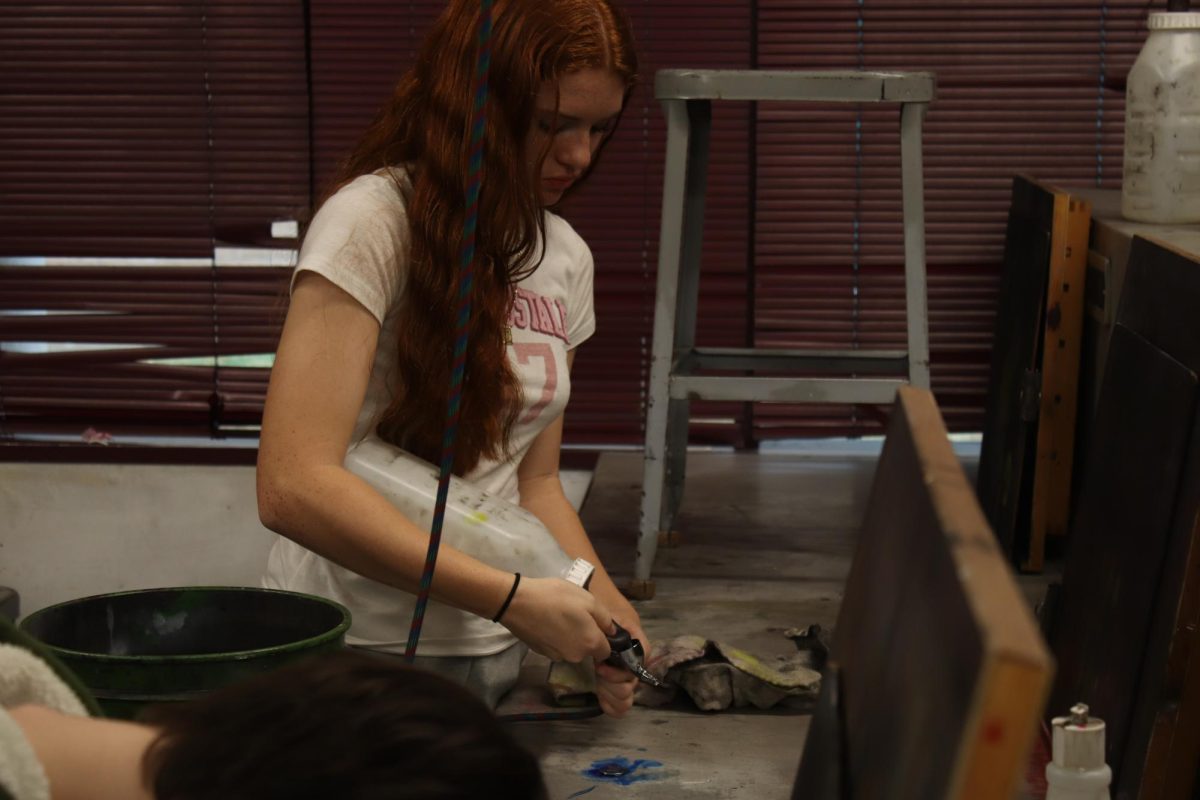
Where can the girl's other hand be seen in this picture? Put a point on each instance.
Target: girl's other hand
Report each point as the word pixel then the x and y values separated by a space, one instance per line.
pixel 559 620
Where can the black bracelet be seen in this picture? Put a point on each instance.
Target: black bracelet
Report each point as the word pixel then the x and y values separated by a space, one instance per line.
pixel 512 593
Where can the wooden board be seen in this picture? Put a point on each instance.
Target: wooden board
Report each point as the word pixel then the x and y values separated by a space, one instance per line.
pixel 1111 575
pixel 1061 343
pixel 1008 432
pixel 823 766
pixel 1164 740
pixel 942 670
pixel 1024 481
pixel 1126 632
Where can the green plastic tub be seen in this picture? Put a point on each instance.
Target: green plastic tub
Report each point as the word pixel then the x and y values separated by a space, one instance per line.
pixel 162 645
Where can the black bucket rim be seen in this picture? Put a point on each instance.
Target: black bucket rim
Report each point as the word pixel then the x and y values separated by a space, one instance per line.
pixel 332 634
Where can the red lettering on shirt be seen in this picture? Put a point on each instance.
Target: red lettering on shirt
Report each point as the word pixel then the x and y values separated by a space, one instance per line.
pixel 526 352
pixel 532 311
pixel 518 315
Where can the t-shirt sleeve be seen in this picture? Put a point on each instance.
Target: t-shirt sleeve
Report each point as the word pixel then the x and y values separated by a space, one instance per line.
pixel 358 240
pixel 581 321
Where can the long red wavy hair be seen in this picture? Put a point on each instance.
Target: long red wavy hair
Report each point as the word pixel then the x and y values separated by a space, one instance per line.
pixel 426 125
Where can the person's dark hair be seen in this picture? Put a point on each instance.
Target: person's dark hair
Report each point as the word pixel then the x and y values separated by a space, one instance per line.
pixel 347 726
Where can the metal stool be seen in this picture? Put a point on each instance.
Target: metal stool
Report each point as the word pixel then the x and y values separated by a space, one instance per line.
pixel 676 362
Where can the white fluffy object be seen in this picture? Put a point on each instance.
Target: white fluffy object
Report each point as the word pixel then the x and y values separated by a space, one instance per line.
pixel 25 678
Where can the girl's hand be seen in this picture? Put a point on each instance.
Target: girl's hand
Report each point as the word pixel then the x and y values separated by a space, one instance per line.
pixel 615 685
pixel 614 689
pixel 559 620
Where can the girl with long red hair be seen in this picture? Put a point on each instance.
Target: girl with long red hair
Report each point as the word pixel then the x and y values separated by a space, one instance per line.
pixel 368 341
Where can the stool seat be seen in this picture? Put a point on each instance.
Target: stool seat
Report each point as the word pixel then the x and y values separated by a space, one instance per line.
pixel 836 86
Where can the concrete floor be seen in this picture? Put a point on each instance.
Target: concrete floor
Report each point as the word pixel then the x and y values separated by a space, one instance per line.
pixel 767 544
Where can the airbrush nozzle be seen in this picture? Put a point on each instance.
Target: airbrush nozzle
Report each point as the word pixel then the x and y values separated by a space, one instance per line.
pixel 627 652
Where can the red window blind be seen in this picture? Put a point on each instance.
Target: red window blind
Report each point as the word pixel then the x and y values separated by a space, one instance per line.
pixel 135 139
pixel 358 51
pixel 102 144
pixel 131 350
pixel 1021 88
pixel 161 131
pixel 618 213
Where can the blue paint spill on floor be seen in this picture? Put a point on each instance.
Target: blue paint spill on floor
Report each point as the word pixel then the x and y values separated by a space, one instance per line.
pixel 622 771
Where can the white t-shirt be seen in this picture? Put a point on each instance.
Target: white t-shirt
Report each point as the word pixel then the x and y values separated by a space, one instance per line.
pixel 359 241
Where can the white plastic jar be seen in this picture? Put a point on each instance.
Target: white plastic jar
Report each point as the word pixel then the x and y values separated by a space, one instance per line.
pixel 1077 770
pixel 1162 124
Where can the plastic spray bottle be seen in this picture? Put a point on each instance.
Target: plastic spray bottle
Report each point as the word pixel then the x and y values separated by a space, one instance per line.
pixel 498 533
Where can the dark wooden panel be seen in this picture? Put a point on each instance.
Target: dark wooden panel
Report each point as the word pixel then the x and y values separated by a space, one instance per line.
pixel 1126 635
pixel 1024 481
pixel 1110 580
pixel 1160 299
pixel 908 679
pixel 943 671
pixel 823 765
pixel 1163 749
pixel 1006 457
pixel 1127 630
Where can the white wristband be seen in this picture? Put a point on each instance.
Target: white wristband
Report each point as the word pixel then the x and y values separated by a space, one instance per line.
pixel 580 573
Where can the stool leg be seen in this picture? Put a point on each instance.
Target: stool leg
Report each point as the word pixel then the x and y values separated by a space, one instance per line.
pixel 912 181
pixel 676 469
pixel 663 348
pixel 687 304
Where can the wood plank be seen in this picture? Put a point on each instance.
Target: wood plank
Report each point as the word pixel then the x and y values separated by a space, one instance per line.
pixel 943 671
pixel 992 755
pixel 1024 480
pixel 1061 343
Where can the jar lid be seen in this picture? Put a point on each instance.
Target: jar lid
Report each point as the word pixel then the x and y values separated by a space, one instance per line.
pixel 1173 20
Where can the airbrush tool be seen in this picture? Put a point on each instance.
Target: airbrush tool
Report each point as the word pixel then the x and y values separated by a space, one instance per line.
pixel 628 652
